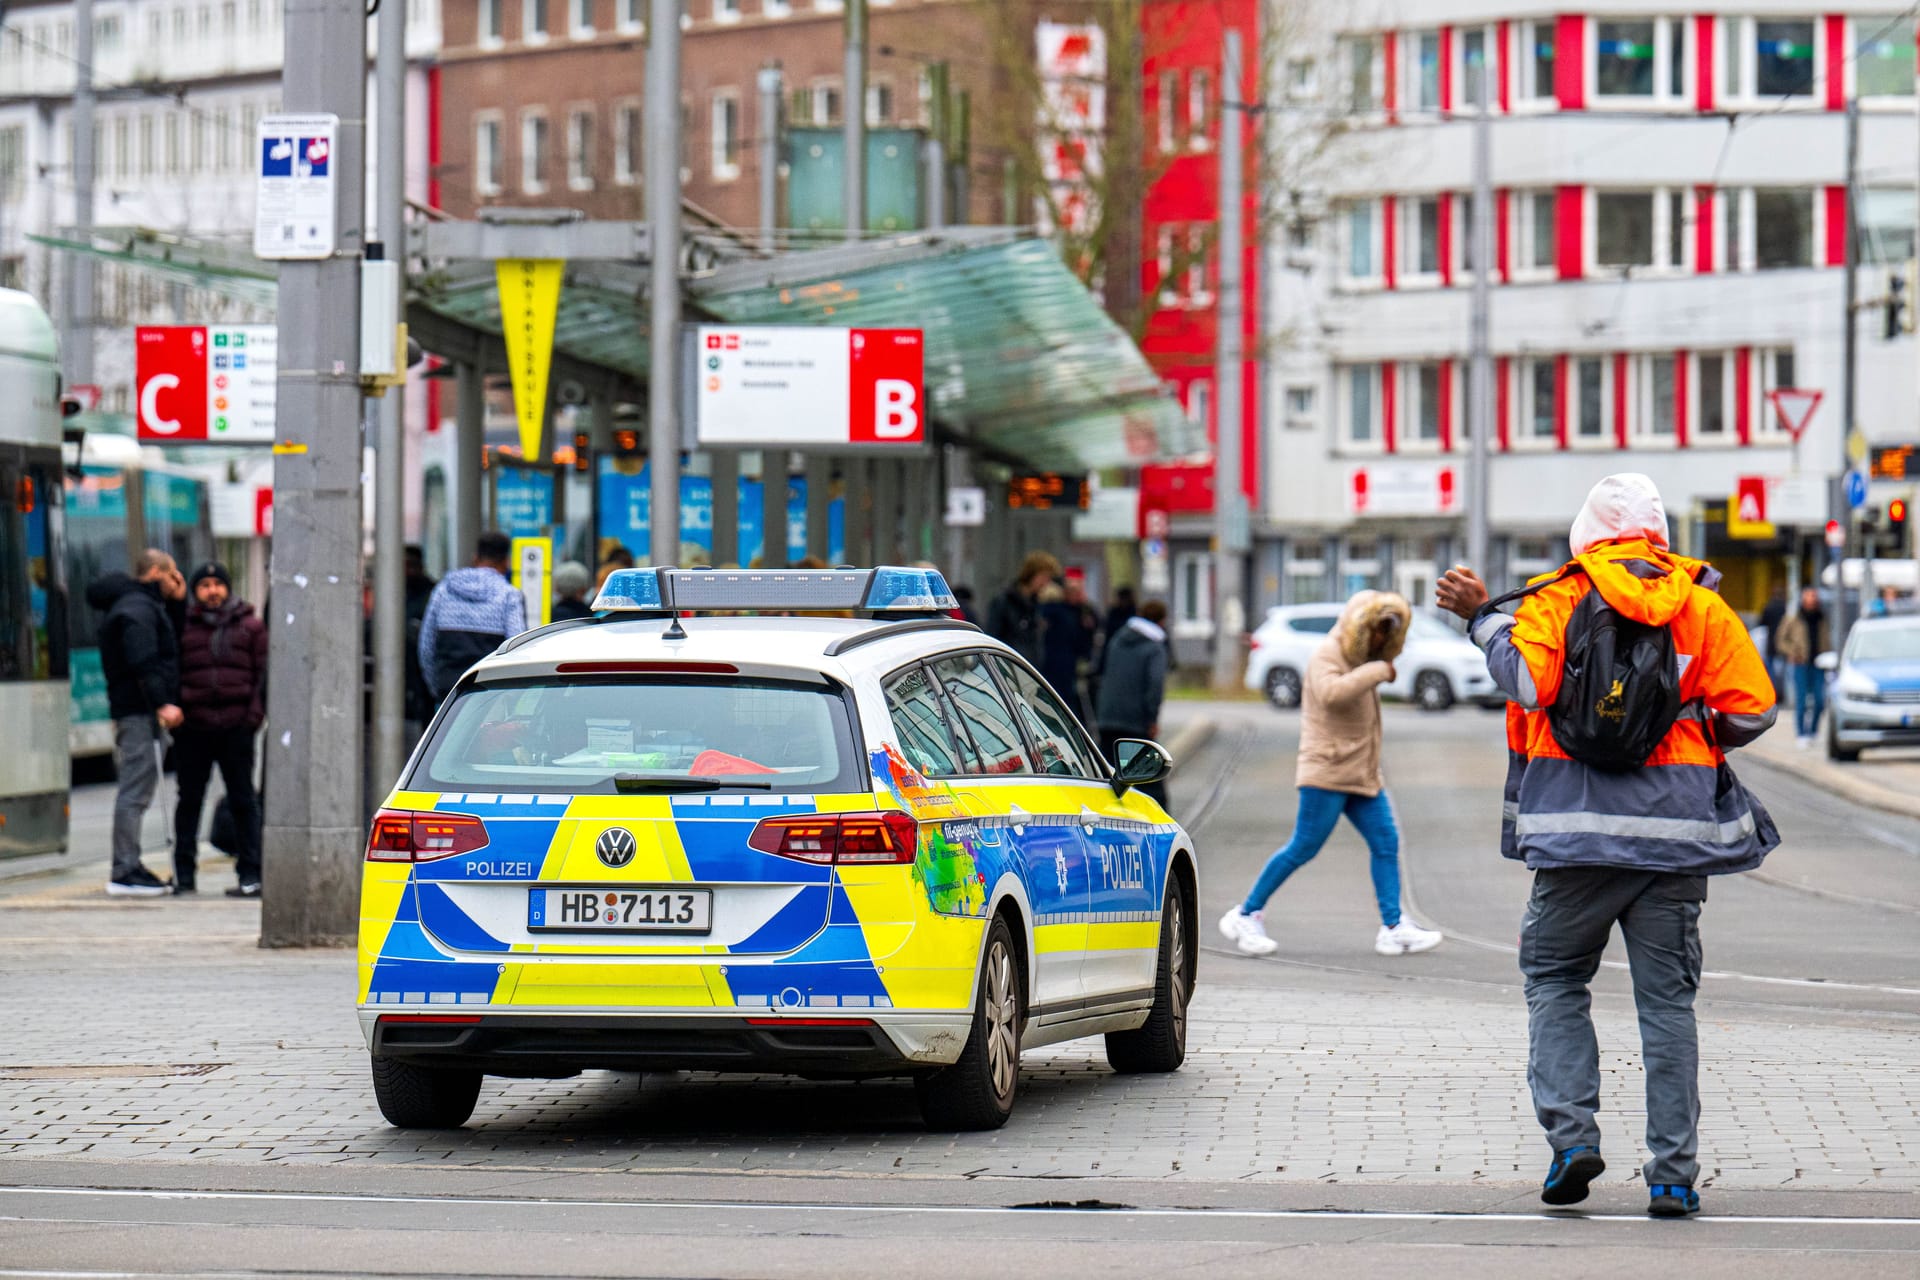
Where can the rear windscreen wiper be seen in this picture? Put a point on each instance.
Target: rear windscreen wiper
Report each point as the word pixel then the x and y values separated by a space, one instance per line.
pixel 631 783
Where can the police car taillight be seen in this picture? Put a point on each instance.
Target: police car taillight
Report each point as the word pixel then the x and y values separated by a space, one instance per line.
pixel 402 836
pixel 842 838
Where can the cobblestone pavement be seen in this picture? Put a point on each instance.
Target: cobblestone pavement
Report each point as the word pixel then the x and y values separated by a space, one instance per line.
pixel 160 1032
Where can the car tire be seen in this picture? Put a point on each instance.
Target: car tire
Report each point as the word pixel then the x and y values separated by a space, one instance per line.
pixel 1160 1043
pixel 1432 691
pixel 978 1090
pixel 1283 688
pixel 1845 755
pixel 415 1097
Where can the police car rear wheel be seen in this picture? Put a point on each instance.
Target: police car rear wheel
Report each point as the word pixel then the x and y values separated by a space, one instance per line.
pixel 415 1097
pixel 978 1090
pixel 1160 1043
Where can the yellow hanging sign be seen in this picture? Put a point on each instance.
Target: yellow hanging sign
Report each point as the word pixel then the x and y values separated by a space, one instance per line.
pixel 529 305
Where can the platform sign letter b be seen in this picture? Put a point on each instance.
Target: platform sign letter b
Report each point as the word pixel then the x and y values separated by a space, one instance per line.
pixel 895 414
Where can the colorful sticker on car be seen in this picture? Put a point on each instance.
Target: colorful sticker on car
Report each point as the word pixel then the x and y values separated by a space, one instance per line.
pixel 945 864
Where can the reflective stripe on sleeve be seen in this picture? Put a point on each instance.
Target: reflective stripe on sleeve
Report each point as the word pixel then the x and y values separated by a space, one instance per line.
pixel 1733 831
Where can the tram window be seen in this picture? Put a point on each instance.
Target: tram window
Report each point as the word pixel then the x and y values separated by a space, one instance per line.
pixel 96 527
pixel 46 597
pixel 13 572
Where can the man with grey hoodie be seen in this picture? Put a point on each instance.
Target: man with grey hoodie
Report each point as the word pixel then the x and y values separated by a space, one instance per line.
pixel 470 614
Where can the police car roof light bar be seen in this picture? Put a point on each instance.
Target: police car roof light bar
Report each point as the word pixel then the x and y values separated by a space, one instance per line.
pixel 887 589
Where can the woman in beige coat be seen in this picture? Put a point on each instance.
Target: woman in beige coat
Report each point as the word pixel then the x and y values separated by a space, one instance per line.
pixel 1339 772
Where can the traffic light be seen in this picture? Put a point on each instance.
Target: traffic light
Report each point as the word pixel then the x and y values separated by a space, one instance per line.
pixel 1897 528
pixel 1903 286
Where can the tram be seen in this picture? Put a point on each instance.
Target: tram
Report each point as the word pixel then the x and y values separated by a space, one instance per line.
pixel 34 654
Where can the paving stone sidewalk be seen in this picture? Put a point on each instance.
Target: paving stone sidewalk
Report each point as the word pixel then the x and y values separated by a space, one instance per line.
pixel 161 1032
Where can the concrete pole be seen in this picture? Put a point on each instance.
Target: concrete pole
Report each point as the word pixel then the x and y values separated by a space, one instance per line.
pixel 936 156
pixel 853 120
pixel 1850 361
pixel 1480 372
pixel 469 443
pixel 314 837
pixel 819 471
pixel 886 511
pixel 1229 515
pixel 770 86
pixel 916 507
pixel 663 217
pixel 773 508
pixel 959 564
pixel 724 470
pixel 76 348
pixel 389 458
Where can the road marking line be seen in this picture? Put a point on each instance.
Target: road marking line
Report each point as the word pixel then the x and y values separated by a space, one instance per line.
pixel 341 1197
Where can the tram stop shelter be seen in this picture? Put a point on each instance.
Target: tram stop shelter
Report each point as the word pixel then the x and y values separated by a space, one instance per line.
pixel 1024 372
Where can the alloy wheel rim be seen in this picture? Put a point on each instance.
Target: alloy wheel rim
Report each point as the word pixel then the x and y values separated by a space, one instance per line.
pixel 1177 982
pixel 1002 1046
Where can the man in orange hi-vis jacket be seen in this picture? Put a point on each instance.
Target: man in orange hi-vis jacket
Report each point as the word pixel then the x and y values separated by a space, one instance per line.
pixel 1632 846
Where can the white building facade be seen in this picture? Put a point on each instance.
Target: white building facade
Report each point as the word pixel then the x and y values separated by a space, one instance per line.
pixel 1669 240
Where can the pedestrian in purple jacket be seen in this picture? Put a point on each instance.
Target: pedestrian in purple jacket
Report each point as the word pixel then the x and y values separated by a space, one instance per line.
pixel 223 691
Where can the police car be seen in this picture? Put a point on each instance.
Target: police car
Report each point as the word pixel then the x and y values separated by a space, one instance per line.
pixel 789 821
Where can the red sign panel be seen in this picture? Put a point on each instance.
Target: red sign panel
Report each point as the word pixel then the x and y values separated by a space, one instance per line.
pixel 170 381
pixel 884 389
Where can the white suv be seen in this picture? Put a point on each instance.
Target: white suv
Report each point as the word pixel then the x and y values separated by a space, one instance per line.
pixel 1438 668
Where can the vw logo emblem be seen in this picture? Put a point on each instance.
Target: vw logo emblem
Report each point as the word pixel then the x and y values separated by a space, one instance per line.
pixel 615 846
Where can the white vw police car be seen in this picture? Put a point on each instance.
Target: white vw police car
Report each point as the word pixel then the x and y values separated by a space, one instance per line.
pixel 707 829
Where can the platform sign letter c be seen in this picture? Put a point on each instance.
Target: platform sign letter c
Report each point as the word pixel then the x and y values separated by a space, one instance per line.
pixel 150 404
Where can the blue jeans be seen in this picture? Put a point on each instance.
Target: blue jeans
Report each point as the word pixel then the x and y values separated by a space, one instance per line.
pixel 1372 816
pixel 1809 698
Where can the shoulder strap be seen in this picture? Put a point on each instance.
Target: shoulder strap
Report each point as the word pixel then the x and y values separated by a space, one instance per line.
pixel 1572 568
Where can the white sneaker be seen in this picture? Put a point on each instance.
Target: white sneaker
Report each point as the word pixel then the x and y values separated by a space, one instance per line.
pixel 1805 744
pixel 1248 932
pixel 1404 939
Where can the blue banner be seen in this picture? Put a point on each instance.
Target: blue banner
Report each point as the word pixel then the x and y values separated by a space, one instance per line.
pixel 522 502
pixel 626 504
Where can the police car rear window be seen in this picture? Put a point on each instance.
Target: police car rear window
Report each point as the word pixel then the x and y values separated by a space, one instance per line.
pixel 642 736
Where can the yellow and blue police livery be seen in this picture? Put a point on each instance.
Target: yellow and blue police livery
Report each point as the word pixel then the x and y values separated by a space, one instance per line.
pixel 781 820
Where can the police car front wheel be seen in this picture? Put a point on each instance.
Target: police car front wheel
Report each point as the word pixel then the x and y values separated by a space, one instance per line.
pixel 977 1091
pixel 416 1097
pixel 1160 1043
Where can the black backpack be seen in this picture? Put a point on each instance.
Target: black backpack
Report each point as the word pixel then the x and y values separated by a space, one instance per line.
pixel 1620 684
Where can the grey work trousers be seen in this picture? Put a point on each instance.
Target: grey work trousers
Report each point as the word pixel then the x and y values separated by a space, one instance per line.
pixel 1569 917
pixel 136 757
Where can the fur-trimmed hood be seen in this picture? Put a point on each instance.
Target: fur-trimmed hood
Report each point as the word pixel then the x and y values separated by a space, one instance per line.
pixel 1357 621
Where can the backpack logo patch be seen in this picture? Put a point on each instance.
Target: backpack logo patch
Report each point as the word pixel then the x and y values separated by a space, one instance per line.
pixel 1613 704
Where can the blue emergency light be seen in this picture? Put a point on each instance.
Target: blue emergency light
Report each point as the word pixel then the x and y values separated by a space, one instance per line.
pixel 886 589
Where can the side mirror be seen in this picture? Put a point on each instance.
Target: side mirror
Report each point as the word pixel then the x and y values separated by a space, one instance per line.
pixel 1138 762
pixel 1828 661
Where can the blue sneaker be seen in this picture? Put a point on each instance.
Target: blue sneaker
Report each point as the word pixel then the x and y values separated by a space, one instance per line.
pixel 1672 1200
pixel 1569 1174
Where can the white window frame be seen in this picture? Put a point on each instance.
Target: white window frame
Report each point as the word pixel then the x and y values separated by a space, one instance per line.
pixel 1465 103
pixel 485 158
pixel 1520 435
pixel 1193 288
pixel 1857 30
pixel 718 135
pixel 725 10
pixel 580 19
pixel 1199 405
pixel 876 119
pixel 1764 369
pixel 1660 225
pixel 1166 123
pixel 1408 439
pixel 1302 78
pixel 1649 402
pixel 1197 566
pixel 1662 97
pixel 1577 438
pixel 1410 274
pixel 1733 242
pixel 580 164
pixel 1376 243
pixel 1697 434
pixel 1376 103
pixel 1410 104
pixel 627 19
pixel 1163 260
pixel 1521 206
pixel 533 179
pixel 775 8
pixel 1305 418
pixel 818 93
pixel 1816 227
pixel 1199 108
pixel 628 127
pixel 1376 416
pixel 1739 35
pixel 528 32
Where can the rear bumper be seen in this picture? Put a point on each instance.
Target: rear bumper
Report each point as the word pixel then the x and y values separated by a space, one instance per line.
pixel 562 1043
pixel 1875 724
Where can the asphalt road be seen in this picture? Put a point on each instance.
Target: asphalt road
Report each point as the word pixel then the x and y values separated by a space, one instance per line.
pixel 1824 941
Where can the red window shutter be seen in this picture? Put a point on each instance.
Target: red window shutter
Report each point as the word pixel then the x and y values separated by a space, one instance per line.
pixel 1389 242
pixel 1502 247
pixel 1836 226
pixel 1446 69
pixel 1569 212
pixel 1570 62
pixel 1446 406
pixel 1836 62
pixel 1562 396
pixel 1743 394
pixel 1389 384
pixel 1390 72
pixel 1502 64
pixel 1703 230
pixel 1620 400
pixel 1503 402
pixel 1444 236
pixel 1680 398
pixel 1703 62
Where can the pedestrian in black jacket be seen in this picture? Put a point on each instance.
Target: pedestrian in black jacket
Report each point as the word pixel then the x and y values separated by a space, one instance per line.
pixel 1014 615
pixel 1133 685
pixel 223 692
pixel 140 657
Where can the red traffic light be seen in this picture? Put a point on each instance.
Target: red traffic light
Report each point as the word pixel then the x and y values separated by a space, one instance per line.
pixel 1897 511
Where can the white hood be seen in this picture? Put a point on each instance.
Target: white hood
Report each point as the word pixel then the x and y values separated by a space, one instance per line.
pixel 1621 506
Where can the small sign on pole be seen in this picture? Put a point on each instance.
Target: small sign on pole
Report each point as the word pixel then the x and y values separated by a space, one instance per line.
pixel 966 506
pixel 294 186
pixel 533 574
pixel 1856 489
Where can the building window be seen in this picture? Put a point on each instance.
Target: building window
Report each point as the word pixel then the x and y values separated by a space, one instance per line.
pixel 1783 58
pixel 488 24
pixel 1199 106
pixel 170 137
pixel 1200 404
pixel 1712 396
pixel 1736 253
pixel 533 152
pixel 13 158
pixel 1303 80
pixel 1423 244
pixel 1656 418
pixel 533 19
pixel 1883 66
pixel 1423 70
pixel 1782 228
pixel 1363 404
pixel 1363 240
pixel 825 100
pixel 148 159
pixel 1594 392
pixel 775 8
pixel 1540 421
pixel 1534 214
pixel 1623 229
pixel 1887 217
pixel 1623 59
pixel 580 149
pixel 626 14
pixel 579 18
pixel 626 143
pixel 1302 407
pixel 1169 95
pixel 486 156
pixel 879 104
pixel 1473 69
pixel 1776 370
pixel 1360 73
pixel 1196 283
pixel 724 137
pixel 1423 407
